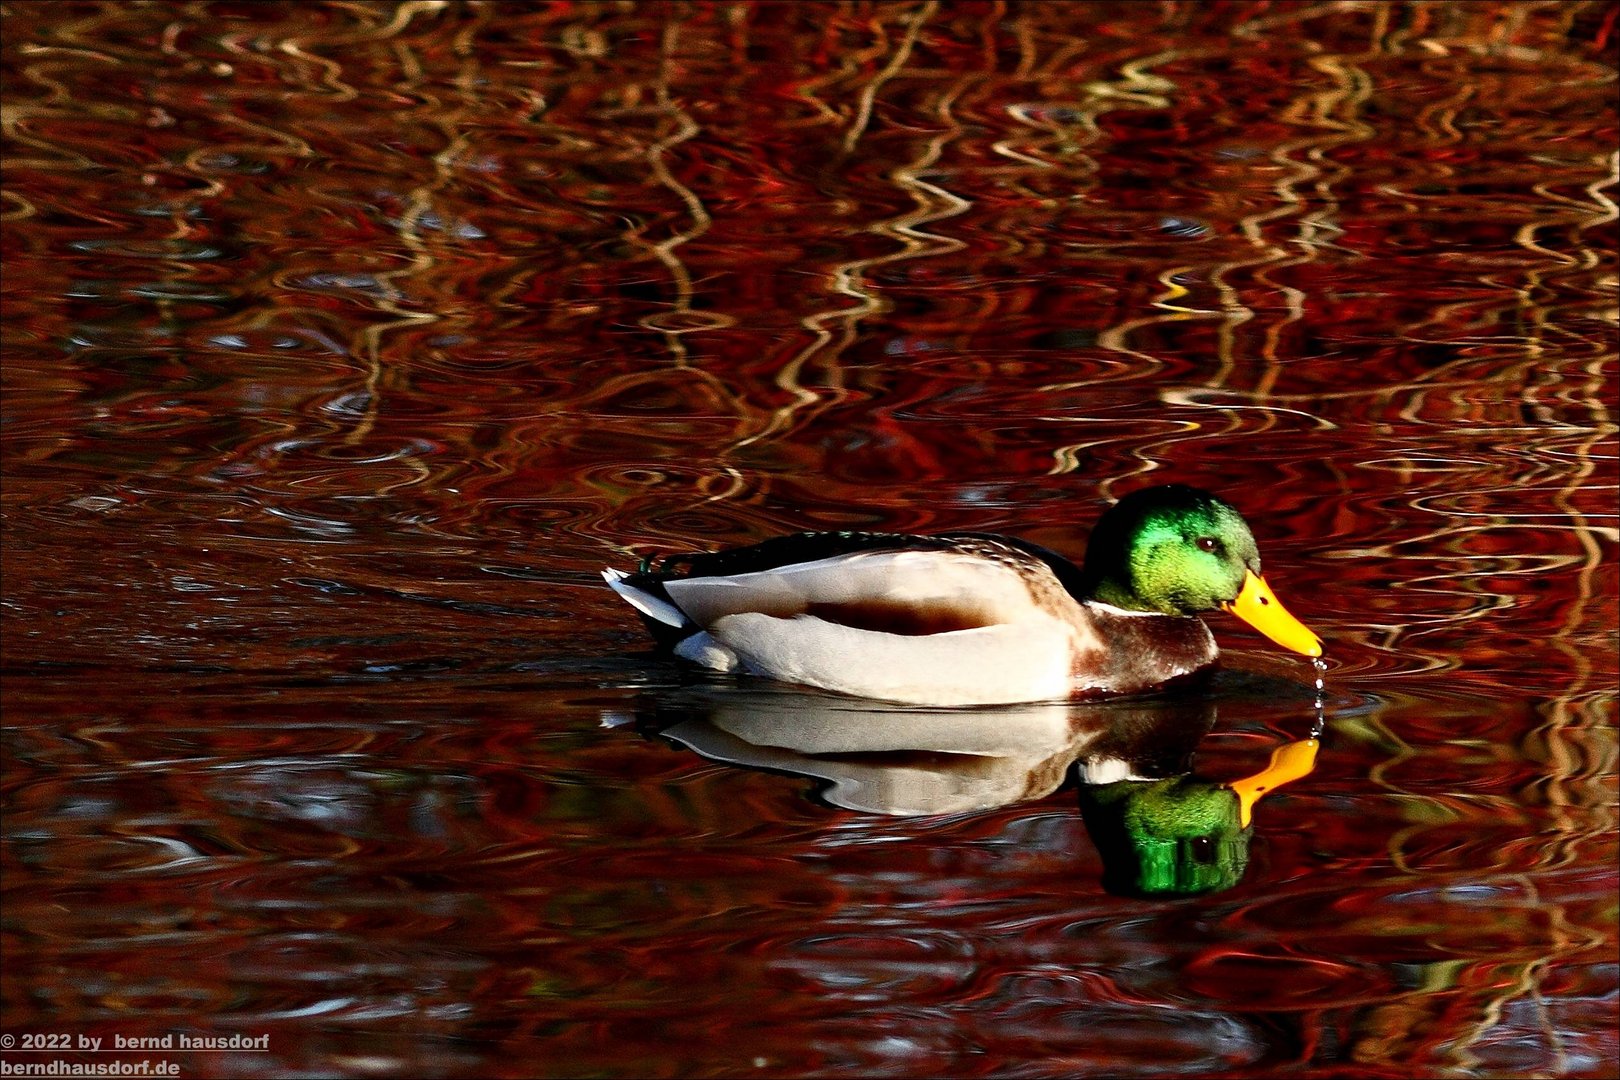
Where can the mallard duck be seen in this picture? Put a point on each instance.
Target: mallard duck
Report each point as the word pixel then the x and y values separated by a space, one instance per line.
pixel 972 618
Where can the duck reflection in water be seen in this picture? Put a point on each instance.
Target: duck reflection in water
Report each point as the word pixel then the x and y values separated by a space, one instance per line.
pixel 1161 830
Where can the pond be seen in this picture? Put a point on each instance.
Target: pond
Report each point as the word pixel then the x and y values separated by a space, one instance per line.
pixel 346 344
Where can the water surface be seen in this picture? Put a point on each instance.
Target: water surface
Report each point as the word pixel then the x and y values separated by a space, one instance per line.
pixel 344 343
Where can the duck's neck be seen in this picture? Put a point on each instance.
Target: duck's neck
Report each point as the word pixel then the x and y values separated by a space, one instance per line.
pixel 1116 594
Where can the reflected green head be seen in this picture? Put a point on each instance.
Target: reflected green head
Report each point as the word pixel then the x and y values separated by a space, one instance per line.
pixel 1174 550
pixel 1176 837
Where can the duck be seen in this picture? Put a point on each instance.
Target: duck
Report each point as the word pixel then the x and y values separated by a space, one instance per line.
pixel 971 618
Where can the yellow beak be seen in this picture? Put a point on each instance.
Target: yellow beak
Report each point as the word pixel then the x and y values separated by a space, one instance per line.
pixel 1288 762
pixel 1256 606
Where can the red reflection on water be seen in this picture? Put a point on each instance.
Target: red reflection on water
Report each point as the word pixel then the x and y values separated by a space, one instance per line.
pixel 346 342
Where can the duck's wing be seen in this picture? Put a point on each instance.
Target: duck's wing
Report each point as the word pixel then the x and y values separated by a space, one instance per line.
pixel 806 547
pixel 894 583
pixel 644 589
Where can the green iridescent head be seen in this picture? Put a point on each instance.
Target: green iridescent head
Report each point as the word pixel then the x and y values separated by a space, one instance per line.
pixel 1175 837
pixel 1171 549
pixel 1175 550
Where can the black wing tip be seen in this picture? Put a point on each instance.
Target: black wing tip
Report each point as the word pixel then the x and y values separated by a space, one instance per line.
pixel 803 547
pixel 777 552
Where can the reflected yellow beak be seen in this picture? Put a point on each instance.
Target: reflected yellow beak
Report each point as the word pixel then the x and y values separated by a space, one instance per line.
pixel 1256 606
pixel 1288 762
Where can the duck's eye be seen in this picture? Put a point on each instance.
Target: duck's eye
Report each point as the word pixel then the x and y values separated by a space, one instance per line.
pixel 1203 849
pixel 1207 543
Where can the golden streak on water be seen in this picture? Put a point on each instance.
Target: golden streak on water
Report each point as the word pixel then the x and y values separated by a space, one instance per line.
pixel 863 115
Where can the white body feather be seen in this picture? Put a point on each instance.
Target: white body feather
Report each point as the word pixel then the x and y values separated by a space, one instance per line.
pixel 767 623
pixel 991 665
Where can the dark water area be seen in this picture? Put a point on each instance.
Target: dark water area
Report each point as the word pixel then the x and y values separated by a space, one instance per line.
pixel 345 343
